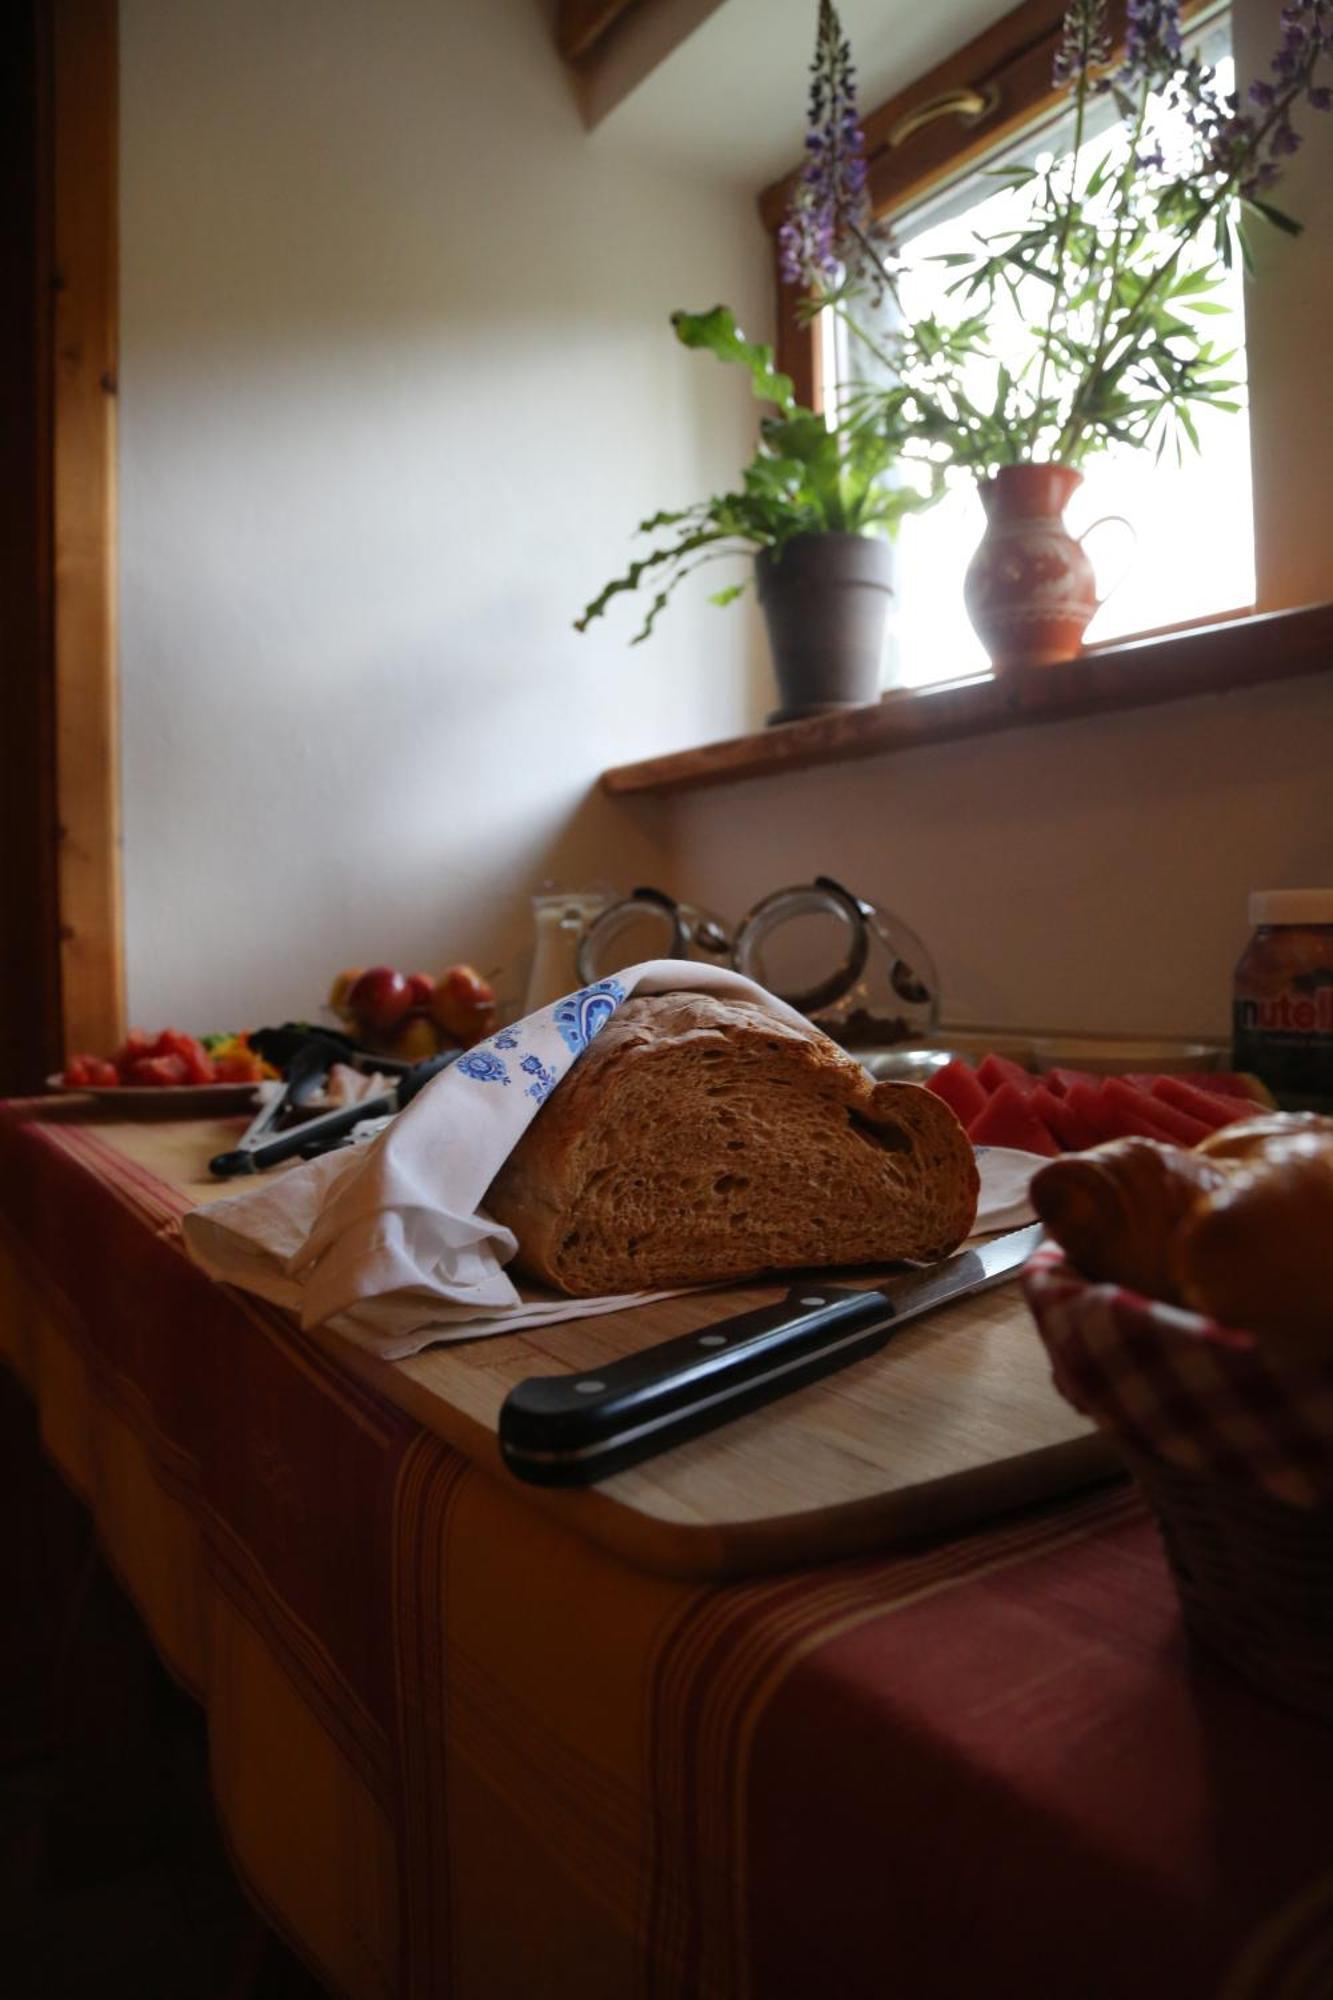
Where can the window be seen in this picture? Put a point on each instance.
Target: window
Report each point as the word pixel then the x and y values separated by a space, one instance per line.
pixel 1194 553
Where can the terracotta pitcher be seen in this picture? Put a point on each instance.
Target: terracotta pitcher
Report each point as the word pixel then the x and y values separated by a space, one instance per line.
pixel 1029 589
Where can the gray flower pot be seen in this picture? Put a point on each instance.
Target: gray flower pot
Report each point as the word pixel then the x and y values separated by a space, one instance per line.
pixel 825 600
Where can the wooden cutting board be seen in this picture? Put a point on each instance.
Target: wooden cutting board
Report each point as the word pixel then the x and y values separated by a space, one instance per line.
pixel 953 1422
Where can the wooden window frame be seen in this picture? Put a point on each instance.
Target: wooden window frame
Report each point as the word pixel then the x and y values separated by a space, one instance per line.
pixel 928 135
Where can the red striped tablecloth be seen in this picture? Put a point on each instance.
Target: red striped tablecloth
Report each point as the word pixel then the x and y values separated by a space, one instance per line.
pixel 464 1754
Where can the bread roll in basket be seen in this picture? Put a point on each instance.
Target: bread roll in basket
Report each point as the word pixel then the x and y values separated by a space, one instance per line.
pixel 699 1140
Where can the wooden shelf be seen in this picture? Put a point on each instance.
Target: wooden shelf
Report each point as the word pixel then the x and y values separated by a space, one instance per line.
pixel 1206 659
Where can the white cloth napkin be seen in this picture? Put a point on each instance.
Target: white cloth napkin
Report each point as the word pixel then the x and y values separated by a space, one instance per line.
pixel 387 1242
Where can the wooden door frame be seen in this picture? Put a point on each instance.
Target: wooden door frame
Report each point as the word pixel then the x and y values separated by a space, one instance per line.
pixel 85 219
pixel 61 985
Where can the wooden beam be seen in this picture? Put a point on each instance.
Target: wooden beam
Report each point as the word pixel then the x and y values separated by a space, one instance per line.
pixel 581 24
pixel 83 76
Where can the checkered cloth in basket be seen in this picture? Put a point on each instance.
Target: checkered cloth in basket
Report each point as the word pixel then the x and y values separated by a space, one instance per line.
pixel 1174 1386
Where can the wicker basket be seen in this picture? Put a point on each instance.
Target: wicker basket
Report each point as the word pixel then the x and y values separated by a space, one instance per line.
pixel 1254 1576
pixel 1233 1450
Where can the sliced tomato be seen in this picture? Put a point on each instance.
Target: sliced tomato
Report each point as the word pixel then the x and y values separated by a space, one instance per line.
pixel 135 1046
pixel 198 1062
pixel 1007 1119
pixel 957 1084
pixel 159 1072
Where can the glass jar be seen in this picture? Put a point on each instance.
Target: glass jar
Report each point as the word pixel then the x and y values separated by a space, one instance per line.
pixel 1282 1007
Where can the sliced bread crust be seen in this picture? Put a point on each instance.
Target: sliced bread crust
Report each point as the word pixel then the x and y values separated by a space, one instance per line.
pixel 698 1140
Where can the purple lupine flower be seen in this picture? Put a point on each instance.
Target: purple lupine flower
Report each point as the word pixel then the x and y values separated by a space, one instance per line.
pixel 827 229
pixel 1153 42
pixel 1249 149
pixel 1085 42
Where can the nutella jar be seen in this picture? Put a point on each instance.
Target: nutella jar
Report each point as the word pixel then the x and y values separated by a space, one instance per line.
pixel 1282 1010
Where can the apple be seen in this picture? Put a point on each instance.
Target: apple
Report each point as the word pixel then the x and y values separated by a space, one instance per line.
pixel 341 987
pixel 380 999
pixel 416 1040
pixel 422 988
pixel 463 1005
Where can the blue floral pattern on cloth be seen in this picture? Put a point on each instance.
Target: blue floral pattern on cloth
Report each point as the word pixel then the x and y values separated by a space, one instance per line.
pixel 579 1016
pixel 544 1079
pixel 483 1065
pixel 506 1039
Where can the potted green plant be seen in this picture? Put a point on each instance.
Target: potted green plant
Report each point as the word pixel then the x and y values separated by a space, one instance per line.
pixel 811 510
pixel 823 488
pixel 1111 271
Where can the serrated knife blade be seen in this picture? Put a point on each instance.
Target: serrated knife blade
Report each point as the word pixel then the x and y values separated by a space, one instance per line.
pixel 572 1430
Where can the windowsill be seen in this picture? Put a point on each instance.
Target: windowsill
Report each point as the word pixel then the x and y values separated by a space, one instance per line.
pixel 1136 673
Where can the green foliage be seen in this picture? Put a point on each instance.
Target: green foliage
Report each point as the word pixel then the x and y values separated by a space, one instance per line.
pixel 807 477
pixel 1112 268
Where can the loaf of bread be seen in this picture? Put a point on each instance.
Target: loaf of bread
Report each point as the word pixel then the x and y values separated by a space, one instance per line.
pixel 1241 1228
pixel 699 1139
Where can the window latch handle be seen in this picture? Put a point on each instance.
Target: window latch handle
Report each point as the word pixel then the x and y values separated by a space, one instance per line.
pixel 968 105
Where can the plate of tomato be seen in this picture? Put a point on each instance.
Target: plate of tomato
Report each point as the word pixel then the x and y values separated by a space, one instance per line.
pixel 189 1074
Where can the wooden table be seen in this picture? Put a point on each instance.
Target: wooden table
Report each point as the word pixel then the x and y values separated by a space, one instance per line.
pixel 462 1747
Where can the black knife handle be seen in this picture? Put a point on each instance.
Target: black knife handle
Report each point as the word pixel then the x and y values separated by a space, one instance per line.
pixel 569 1430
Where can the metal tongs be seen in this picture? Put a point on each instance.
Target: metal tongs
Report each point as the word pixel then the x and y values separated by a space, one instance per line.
pixel 308 1056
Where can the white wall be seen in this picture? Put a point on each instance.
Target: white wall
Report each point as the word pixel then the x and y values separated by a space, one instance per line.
pixel 396 383
pixel 1085 875
pixel 1094 874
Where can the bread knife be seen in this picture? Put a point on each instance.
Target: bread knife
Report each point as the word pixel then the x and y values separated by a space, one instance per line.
pixel 572 1430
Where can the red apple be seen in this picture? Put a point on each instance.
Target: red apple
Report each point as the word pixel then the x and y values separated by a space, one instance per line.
pixel 422 988
pixel 464 1005
pixel 380 999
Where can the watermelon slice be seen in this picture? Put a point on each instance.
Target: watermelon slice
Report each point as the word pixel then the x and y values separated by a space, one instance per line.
pixel 1008 1120
pixel 1209 1107
pixel 1060 1117
pixel 1062 1081
pixel 1161 1119
pixel 1085 1101
pixel 1235 1083
pixel 957 1084
pixel 1139 1113
pixel 995 1071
